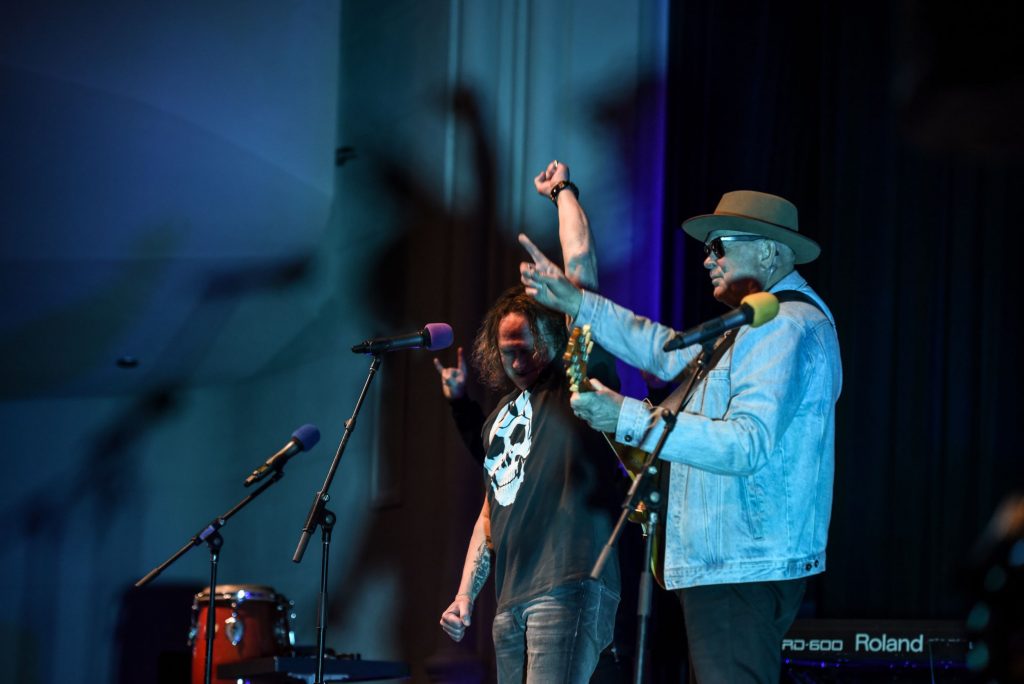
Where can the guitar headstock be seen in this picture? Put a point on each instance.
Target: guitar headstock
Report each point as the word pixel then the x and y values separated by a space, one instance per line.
pixel 577 353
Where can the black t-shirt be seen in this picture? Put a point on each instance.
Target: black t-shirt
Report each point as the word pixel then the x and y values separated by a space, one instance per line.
pixel 554 487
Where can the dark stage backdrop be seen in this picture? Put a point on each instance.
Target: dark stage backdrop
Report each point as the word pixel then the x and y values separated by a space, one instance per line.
pixel 895 130
pixel 892 139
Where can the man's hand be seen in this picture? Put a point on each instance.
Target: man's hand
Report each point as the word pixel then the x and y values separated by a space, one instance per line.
pixel 453 380
pixel 599 408
pixel 546 283
pixel 456 618
pixel 555 172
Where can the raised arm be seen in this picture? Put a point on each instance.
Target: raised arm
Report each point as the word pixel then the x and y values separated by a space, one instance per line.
pixel 457 616
pixel 468 416
pixel 578 254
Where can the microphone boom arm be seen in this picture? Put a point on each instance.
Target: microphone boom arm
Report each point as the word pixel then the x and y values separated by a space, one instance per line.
pixel 320 516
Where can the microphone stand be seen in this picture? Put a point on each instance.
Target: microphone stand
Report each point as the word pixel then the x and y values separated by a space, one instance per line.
pixel 652 504
pixel 214 541
pixel 641 489
pixel 320 516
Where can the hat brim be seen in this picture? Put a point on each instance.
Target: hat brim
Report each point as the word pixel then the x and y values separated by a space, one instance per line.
pixel 803 247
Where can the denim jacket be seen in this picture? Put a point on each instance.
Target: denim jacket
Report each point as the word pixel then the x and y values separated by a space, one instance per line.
pixel 752 452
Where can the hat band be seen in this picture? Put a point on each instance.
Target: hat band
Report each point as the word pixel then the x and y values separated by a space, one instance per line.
pixel 755 218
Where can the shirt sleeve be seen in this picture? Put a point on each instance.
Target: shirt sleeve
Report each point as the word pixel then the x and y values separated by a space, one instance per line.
pixel 636 340
pixel 634 418
pixel 469 421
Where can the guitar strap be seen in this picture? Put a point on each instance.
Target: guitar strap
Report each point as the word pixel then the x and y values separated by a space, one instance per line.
pixel 707 359
pixel 798 296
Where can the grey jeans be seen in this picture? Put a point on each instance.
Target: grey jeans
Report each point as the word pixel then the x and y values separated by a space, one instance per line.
pixel 555 637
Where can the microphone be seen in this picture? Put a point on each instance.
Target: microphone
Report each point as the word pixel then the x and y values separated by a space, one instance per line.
pixel 755 309
pixel 303 439
pixel 434 336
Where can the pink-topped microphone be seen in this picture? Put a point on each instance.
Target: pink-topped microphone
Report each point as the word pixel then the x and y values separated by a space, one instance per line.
pixel 434 336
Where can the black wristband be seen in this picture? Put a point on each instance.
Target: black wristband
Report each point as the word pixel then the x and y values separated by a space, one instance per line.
pixel 562 185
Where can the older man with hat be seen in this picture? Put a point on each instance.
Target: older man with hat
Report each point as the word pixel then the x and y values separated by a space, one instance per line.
pixel 751 456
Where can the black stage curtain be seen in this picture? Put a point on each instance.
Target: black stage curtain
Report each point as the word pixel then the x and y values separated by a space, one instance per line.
pixel 895 130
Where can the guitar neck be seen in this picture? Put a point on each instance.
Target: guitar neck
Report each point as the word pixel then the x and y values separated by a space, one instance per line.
pixel 577 354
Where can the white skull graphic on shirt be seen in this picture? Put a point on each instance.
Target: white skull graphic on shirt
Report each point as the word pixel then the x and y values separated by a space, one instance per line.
pixel 511 434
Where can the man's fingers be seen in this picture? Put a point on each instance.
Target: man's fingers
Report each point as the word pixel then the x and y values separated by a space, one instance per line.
pixel 531 248
pixel 453 623
pixel 535 253
pixel 451 618
pixel 462 361
pixel 438 366
pixel 542 267
pixel 455 631
pixel 529 278
pixel 596 384
pixel 579 403
pixel 528 274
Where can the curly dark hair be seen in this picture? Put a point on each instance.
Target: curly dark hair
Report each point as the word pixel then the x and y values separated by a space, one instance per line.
pixel 547 326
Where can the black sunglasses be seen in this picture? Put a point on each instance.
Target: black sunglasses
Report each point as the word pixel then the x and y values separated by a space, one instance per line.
pixel 718 248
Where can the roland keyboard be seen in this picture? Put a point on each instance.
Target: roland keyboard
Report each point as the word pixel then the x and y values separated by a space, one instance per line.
pixel 882 644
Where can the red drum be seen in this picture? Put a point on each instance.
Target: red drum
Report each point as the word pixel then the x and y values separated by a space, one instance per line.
pixel 250 621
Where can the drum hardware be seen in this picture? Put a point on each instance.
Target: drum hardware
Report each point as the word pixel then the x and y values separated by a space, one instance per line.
pixel 233 628
pixel 256 624
pixel 210 535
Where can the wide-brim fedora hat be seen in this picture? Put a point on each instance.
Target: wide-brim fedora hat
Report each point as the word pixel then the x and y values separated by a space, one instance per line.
pixel 757 213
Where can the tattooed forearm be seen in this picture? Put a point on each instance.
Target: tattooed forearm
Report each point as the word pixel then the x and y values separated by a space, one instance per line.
pixel 481 569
